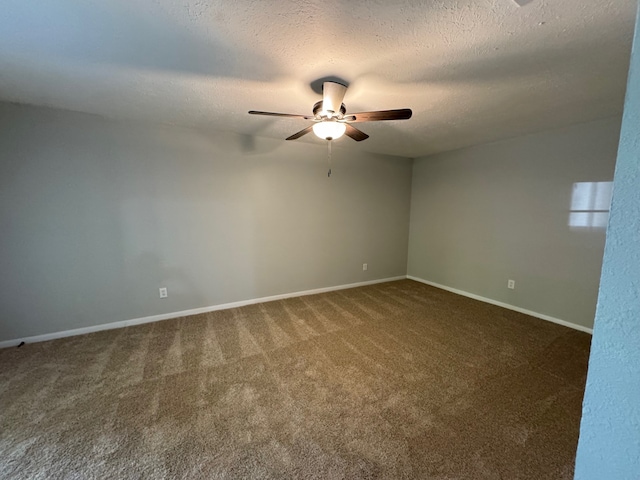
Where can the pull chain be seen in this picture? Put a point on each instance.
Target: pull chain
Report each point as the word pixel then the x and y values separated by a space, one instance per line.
pixel 329 158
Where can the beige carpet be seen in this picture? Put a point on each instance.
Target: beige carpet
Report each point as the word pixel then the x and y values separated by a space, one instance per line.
pixel 396 380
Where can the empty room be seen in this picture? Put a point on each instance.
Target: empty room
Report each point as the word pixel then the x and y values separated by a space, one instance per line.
pixel 331 240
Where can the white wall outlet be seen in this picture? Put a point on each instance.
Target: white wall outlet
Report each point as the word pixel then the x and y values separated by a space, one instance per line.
pixel 511 284
pixel 365 267
pixel 163 292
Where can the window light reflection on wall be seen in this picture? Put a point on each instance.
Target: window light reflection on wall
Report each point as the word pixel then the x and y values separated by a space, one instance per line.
pixel 590 202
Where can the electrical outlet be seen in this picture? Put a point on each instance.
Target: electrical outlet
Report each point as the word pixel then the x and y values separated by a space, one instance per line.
pixel 163 292
pixel 365 267
pixel 511 284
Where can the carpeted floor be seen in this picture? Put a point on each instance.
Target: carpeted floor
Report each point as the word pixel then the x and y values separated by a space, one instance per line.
pixel 395 380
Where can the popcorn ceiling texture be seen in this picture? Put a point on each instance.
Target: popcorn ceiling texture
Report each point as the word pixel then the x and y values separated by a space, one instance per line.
pixel 610 431
pixel 472 71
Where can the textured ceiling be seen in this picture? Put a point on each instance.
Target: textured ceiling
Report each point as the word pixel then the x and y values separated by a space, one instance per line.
pixel 473 71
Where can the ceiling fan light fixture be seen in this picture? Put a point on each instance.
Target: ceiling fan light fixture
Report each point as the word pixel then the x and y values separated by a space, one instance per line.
pixel 330 117
pixel 329 130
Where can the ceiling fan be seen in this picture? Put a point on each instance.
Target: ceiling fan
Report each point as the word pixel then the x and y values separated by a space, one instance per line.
pixel 331 120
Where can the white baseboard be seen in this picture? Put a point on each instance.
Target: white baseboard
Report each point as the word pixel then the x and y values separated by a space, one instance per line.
pixel 166 316
pixel 542 316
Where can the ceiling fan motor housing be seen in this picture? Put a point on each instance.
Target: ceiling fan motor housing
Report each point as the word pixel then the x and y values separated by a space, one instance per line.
pixel 317 109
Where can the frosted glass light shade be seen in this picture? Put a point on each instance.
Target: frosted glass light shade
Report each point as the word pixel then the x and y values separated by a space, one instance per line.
pixel 329 130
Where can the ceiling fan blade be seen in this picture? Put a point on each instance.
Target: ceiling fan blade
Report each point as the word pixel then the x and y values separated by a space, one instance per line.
pixel 354 133
pixel 332 96
pixel 272 114
pixel 400 114
pixel 300 133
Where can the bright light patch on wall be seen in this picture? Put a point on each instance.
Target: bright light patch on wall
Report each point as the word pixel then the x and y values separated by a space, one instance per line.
pixel 590 203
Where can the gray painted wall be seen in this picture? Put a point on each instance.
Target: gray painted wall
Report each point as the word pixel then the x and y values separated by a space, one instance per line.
pixel 96 215
pixel 489 213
